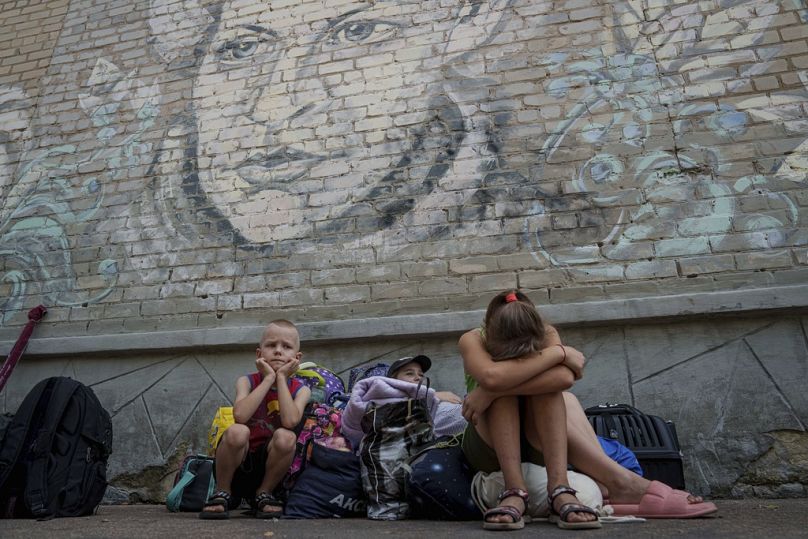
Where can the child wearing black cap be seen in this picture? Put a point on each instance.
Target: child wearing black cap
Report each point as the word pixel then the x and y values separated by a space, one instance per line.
pixel 413 369
pixel 385 452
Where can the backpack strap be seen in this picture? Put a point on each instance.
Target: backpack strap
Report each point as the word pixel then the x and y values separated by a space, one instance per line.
pixel 426 394
pixel 211 483
pixel 186 476
pixel 444 442
pixel 36 488
pixel 175 496
pixel 17 432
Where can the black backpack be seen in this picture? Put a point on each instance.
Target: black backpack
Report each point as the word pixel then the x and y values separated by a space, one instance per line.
pixel 53 458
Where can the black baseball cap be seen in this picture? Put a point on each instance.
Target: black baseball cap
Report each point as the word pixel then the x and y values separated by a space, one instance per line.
pixel 421 360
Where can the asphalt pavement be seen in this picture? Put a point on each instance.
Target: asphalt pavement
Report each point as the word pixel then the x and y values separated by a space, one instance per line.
pixel 736 519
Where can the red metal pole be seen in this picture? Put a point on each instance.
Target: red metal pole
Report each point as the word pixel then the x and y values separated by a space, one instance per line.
pixel 34 316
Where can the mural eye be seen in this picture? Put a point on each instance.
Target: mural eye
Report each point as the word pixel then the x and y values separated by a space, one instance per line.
pixel 361 32
pixel 241 48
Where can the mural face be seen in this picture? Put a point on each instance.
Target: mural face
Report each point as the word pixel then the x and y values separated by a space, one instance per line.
pixel 314 143
pixel 267 130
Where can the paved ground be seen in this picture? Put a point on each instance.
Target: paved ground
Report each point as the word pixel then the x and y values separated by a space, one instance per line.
pixel 737 519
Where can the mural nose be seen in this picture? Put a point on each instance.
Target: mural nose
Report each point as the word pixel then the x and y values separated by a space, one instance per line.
pixel 276 105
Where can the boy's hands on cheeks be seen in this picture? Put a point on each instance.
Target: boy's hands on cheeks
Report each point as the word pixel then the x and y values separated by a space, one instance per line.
pixel 289 368
pixel 263 367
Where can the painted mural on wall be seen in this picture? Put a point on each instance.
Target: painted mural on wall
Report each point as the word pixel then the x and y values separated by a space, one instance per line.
pixel 268 130
pixel 48 194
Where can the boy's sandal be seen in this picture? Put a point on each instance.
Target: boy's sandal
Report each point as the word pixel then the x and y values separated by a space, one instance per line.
pixel 560 517
pixel 263 499
pixel 220 498
pixel 517 516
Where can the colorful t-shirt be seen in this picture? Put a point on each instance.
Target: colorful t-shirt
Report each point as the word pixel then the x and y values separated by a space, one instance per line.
pixel 267 418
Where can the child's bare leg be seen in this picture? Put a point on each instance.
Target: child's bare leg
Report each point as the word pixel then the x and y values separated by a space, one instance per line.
pixel 499 427
pixel 578 427
pixel 586 454
pixel 230 453
pixel 546 430
pixel 576 419
pixel 280 454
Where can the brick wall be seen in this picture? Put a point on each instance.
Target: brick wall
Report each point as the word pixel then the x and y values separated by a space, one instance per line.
pixel 180 164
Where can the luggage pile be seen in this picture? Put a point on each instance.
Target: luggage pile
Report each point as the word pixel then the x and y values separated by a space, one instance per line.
pixel 430 479
pixel 326 477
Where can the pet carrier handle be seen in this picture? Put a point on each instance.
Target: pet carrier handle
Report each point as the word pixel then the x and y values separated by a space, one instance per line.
pixel 614 428
pixel 609 409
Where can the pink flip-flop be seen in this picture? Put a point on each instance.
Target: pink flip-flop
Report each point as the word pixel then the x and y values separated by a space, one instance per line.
pixel 661 501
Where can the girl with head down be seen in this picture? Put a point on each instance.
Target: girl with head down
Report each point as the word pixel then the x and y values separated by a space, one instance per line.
pixel 517 370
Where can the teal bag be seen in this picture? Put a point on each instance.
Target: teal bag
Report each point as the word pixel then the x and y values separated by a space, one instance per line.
pixel 193 484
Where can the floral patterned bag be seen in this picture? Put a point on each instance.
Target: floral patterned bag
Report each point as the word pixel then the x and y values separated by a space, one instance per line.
pixel 322 423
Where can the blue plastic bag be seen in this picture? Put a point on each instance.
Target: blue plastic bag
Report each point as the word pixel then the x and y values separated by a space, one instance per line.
pixel 621 454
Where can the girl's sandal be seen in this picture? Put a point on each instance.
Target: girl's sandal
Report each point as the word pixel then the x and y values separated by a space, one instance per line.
pixel 560 517
pixel 262 499
pixel 220 498
pixel 517 516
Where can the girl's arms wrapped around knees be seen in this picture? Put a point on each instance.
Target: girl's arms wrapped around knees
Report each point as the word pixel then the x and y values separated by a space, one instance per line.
pixel 551 336
pixel 573 359
pixel 506 374
pixel 552 369
pixel 558 378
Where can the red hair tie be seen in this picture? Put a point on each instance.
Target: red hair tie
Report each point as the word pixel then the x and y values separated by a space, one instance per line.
pixel 511 297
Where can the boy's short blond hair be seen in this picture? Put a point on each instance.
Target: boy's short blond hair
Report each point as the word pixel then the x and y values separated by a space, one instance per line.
pixel 283 323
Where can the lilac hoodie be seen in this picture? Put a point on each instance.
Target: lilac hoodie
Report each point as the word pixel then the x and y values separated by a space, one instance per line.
pixel 446 417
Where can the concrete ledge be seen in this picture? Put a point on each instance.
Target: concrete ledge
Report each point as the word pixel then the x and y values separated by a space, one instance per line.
pixel 639 310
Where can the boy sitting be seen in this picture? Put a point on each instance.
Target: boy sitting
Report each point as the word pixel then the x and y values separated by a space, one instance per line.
pixel 254 453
